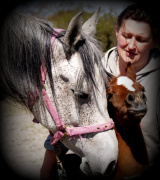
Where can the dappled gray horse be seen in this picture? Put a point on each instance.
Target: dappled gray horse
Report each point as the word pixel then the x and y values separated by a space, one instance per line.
pixel 58 75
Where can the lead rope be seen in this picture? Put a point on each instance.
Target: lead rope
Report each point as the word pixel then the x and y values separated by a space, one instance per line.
pixel 62 175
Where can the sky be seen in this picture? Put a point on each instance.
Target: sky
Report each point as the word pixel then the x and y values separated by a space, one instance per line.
pixel 45 8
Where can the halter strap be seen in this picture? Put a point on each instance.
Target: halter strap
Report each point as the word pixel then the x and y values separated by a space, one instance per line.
pixel 52 111
pixel 78 131
pixel 43 67
pixel 55 34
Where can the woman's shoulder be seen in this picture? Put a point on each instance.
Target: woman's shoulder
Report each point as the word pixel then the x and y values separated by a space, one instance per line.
pixel 110 51
pixel 109 60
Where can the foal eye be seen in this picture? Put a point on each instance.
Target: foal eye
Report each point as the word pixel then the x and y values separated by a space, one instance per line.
pixel 130 97
pixel 109 96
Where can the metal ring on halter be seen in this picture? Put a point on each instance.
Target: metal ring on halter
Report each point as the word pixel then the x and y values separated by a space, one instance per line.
pixel 59 162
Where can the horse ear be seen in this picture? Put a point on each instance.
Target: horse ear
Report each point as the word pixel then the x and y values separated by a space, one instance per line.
pixel 131 73
pixel 73 33
pixel 89 27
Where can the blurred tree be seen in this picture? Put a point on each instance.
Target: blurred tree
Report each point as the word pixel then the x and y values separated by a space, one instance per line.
pixel 105 27
pixel 106 31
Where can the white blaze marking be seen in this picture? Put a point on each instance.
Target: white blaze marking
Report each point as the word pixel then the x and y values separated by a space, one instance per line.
pixel 125 81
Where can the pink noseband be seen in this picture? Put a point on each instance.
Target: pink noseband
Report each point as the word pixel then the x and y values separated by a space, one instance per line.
pixel 62 129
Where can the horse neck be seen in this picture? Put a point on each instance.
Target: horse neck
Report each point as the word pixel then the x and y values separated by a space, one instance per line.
pixel 134 139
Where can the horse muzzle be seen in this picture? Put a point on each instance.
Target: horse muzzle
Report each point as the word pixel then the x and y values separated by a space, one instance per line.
pixel 97 172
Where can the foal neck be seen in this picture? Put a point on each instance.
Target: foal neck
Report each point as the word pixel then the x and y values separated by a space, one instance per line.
pixel 134 139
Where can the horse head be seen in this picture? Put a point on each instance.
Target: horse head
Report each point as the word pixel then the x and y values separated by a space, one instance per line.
pixel 32 53
pixel 127 98
pixel 79 90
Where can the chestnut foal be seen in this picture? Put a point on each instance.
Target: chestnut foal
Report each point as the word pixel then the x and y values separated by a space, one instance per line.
pixel 127 106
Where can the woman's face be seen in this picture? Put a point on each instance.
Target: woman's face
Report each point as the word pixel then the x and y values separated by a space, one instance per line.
pixel 134 42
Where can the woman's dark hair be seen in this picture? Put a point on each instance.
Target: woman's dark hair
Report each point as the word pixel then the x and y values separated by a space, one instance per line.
pixel 141 13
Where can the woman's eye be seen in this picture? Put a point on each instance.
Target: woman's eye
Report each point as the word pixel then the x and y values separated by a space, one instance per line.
pixel 126 36
pixel 141 40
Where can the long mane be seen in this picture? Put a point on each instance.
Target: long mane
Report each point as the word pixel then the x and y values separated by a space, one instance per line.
pixel 25 44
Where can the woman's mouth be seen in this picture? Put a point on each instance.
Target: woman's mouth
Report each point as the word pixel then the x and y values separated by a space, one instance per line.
pixel 130 53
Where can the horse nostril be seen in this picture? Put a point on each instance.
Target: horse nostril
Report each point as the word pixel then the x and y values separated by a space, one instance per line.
pixel 110 168
pixel 87 164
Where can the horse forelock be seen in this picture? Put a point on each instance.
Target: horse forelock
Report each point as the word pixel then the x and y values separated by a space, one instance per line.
pixel 91 56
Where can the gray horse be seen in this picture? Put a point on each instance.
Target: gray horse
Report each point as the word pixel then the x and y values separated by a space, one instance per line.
pixel 75 83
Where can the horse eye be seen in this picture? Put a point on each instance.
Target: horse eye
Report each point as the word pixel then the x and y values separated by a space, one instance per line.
pixel 80 94
pixel 64 78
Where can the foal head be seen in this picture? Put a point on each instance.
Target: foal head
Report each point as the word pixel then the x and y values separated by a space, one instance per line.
pixel 127 98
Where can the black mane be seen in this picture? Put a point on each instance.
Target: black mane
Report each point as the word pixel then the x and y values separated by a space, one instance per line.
pixel 24 46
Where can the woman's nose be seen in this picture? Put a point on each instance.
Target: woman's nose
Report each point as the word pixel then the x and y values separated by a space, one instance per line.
pixel 132 43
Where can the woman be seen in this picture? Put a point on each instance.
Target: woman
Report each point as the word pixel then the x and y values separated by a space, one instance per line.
pixel 137 35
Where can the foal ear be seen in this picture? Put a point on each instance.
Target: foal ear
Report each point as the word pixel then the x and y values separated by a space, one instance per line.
pixel 131 73
pixel 89 27
pixel 73 33
pixel 109 92
pixel 110 77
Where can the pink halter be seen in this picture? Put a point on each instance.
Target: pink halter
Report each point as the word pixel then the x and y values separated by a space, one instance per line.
pixel 74 131
pixel 62 129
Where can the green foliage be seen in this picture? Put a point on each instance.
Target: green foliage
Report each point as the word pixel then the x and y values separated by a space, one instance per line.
pixel 105 27
pixel 106 31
